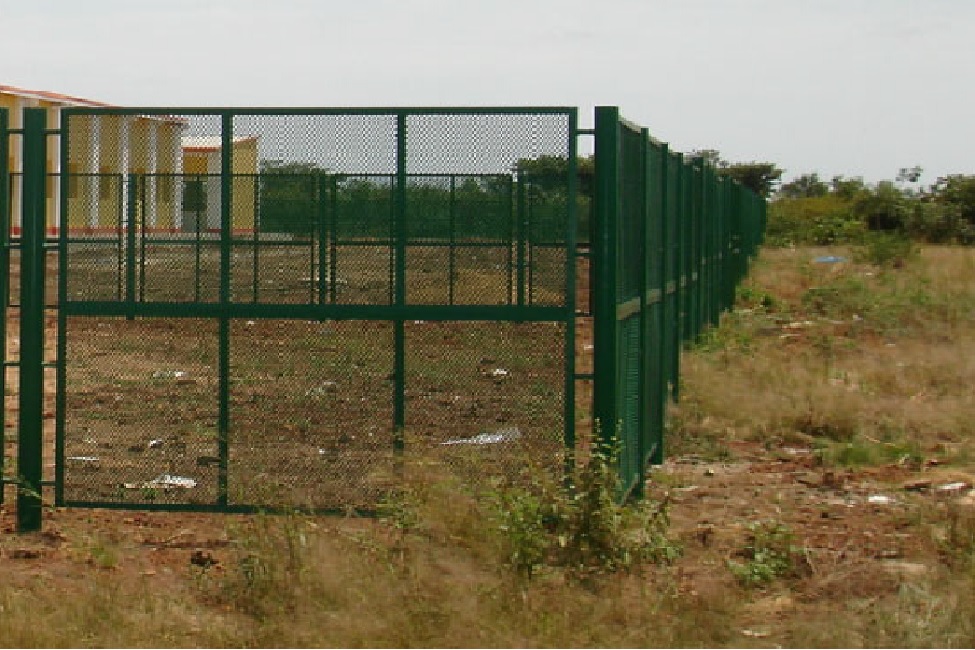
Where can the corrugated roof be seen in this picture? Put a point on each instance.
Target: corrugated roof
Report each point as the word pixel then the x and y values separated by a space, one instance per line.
pixel 58 98
pixel 69 100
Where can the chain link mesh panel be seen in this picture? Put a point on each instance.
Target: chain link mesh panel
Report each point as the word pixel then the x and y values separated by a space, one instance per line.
pixel 484 398
pixel 141 411
pixel 311 406
pixel 257 267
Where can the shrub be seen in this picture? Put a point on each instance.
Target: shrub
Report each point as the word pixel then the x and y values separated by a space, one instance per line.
pixel 581 527
pixel 769 554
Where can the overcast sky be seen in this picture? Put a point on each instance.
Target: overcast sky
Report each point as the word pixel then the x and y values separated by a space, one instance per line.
pixel 852 87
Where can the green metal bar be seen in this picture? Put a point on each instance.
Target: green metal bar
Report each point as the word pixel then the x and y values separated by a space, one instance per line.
pixel 645 432
pixel 60 396
pixel 226 228
pixel 510 230
pixel 678 274
pixel 140 222
pixel 604 263
pixel 4 277
pixel 199 240
pixel 321 232
pixel 333 242
pixel 32 256
pixel 399 330
pixel 571 226
pixel 452 255
pixel 120 212
pixel 522 225
pixel 312 283
pixel 248 310
pixel 131 211
pixel 256 267
pixel 658 394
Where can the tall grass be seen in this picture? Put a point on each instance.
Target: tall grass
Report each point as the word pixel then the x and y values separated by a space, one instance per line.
pixel 866 366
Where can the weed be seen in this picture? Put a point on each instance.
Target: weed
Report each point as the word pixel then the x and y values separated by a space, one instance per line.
pixel 582 527
pixel 887 249
pixel 769 554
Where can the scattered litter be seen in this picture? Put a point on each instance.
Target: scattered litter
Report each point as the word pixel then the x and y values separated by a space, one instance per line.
pixel 163 482
pixel 587 347
pixel 322 389
pixel 169 374
pixel 84 460
pixel 755 634
pixel 798 325
pixel 500 436
pixel 155 444
pixel 251 323
pixel 905 569
pixel 880 500
pixel 829 259
pixel 796 451
pixel 499 372
pixel 956 486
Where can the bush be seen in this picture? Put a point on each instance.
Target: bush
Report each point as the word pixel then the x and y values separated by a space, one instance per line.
pixel 818 221
pixel 581 527
pixel 889 249
pixel 769 554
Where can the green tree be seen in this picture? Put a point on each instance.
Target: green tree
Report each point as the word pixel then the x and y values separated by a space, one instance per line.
pixel 847 188
pixel 883 208
pixel 759 177
pixel 551 172
pixel 804 187
pixel 957 190
pixel 289 196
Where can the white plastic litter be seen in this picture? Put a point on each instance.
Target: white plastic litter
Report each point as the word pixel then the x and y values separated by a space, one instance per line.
pixel 163 482
pixel 499 372
pixel 83 459
pixel 498 437
pixel 169 374
pixel 880 500
pixel 957 486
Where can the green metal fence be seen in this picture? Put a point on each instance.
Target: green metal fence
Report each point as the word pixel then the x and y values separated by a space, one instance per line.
pixel 670 243
pixel 240 309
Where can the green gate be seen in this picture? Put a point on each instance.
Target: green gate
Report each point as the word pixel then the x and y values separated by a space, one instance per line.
pixel 275 308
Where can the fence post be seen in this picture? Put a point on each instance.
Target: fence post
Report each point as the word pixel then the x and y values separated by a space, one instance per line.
pixel 4 277
pixel 604 268
pixel 33 217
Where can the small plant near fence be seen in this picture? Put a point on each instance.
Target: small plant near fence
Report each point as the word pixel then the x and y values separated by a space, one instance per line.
pixel 580 527
pixel 769 553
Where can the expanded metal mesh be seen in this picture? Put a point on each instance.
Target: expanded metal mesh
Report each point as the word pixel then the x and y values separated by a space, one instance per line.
pixel 275 309
pixel 672 240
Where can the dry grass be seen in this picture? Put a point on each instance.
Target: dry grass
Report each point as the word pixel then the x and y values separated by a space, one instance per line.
pixel 829 386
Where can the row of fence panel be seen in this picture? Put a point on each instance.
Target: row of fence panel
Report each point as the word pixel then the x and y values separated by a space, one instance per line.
pixel 671 240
